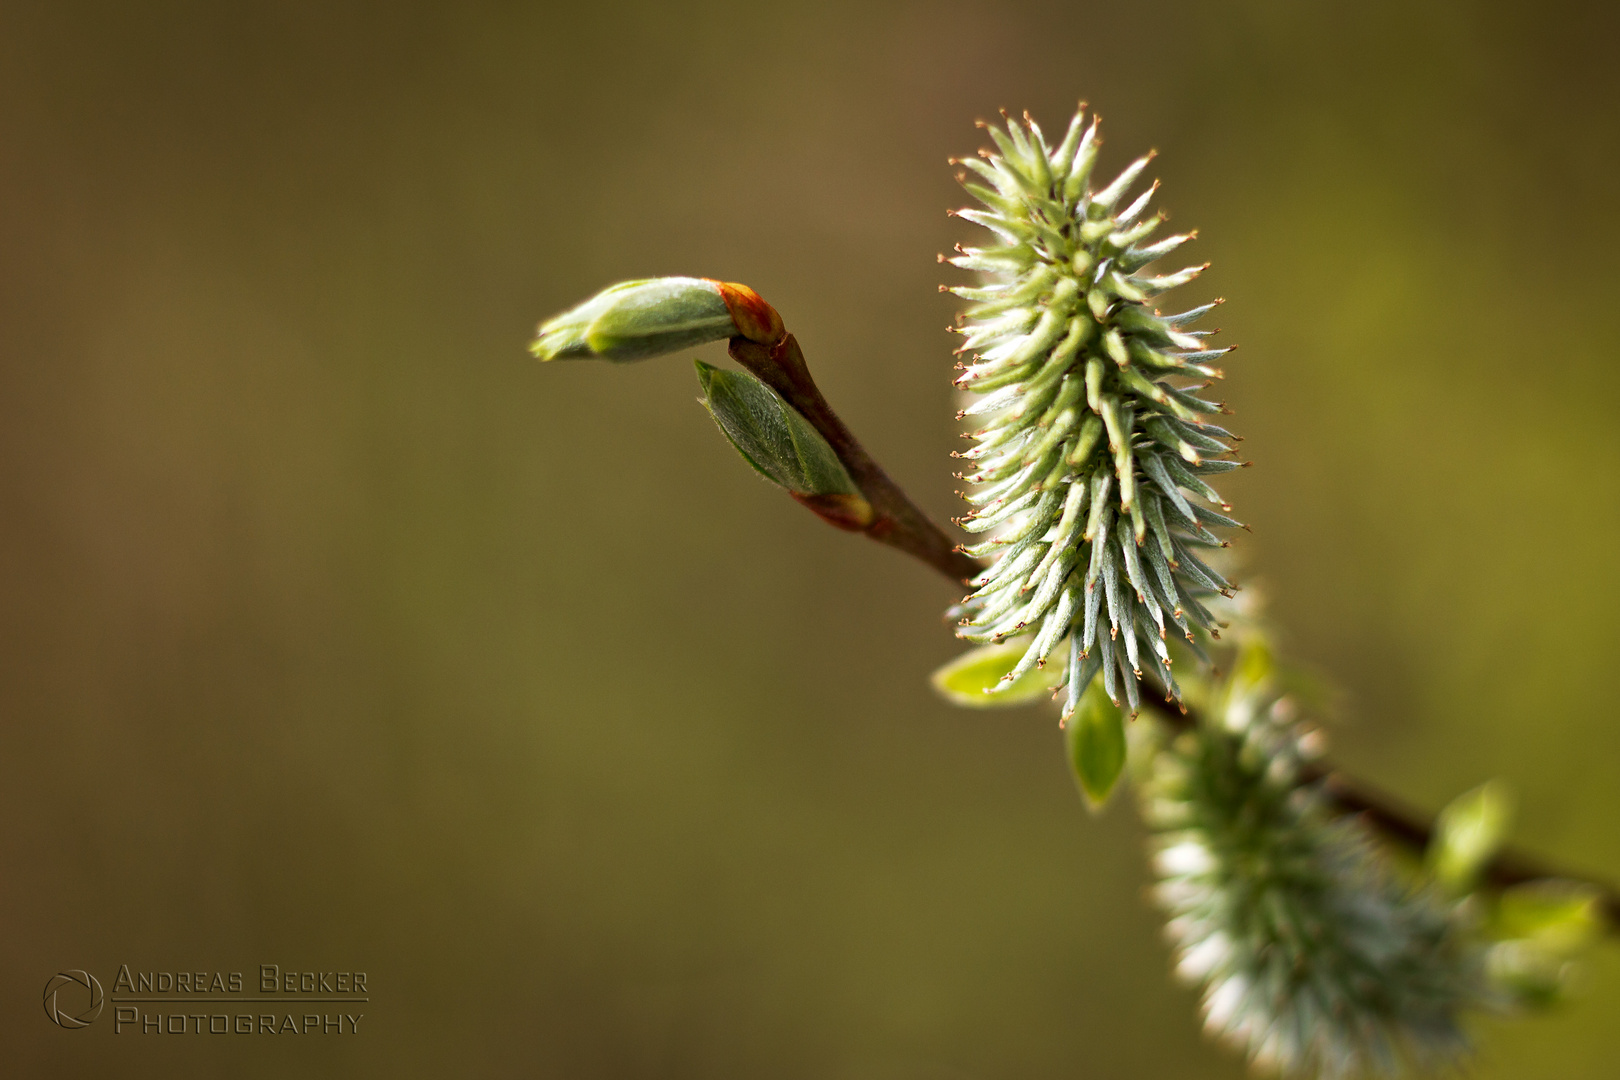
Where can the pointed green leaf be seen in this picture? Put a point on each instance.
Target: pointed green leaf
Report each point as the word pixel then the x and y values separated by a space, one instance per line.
pixel 1562 917
pixel 770 435
pixel 968 679
pixel 1096 744
pixel 1467 834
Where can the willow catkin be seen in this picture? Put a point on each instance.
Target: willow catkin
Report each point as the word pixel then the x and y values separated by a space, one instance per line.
pixel 1089 470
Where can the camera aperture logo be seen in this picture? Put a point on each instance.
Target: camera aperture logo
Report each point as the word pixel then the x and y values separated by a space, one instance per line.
pixel 73 999
pixel 213 1002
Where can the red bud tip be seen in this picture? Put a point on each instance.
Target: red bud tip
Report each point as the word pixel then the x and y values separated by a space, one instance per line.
pixel 754 318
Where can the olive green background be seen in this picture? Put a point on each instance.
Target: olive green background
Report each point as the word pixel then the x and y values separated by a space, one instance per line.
pixel 339 634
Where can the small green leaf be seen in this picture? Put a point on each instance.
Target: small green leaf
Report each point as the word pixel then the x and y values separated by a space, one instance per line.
pixel 634 320
pixel 1562 917
pixel 771 436
pixel 1096 744
pixel 1467 834
pixel 968 679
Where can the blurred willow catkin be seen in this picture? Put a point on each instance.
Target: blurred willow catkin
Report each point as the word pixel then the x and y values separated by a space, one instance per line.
pixel 1316 957
pixel 1095 438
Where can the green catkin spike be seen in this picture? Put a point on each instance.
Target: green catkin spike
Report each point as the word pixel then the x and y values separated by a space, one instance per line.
pixel 1108 406
pixel 1094 380
pixel 1062 616
pixel 1210 517
pixel 1072 699
pixel 1124 463
pixel 1133 566
pixel 1164 594
pixel 1138 521
pixel 1153 465
pixel 1085 156
pixel 1091 430
pixel 1211 468
pixel 1111 598
pixel 1059 475
pixel 1194 566
pixel 981 522
pixel 1064 531
pixel 1132 701
pixel 1164 573
pixel 1154 513
pixel 1128 633
pixel 1063 156
pixel 1104 649
pixel 1101 482
pixel 1063 355
pixel 1183 400
pixel 1185 477
pixel 1069 394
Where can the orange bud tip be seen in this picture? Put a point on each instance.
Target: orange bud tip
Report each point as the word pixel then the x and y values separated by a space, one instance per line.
pixel 755 319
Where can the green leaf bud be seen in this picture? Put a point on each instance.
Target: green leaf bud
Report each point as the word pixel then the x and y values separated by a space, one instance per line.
pixel 1467 834
pixel 782 445
pixel 1095 733
pixel 634 320
pixel 970 679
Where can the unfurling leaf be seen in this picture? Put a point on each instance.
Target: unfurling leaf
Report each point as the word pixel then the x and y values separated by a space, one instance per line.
pixel 969 678
pixel 634 320
pixel 1467 834
pixel 778 442
pixel 1096 738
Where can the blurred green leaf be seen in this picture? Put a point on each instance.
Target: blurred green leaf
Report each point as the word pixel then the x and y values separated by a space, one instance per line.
pixel 1467 833
pixel 968 679
pixel 1096 744
pixel 770 435
pixel 1563 917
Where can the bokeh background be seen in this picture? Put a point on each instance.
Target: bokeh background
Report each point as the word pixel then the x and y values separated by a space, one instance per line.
pixel 339 634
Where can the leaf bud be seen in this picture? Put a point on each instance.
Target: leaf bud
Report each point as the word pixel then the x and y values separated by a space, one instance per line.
pixel 779 443
pixel 634 320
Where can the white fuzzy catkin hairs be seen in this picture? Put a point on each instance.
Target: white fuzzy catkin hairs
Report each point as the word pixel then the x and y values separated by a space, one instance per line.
pixel 1093 438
